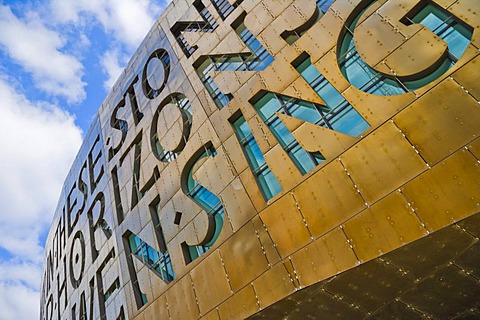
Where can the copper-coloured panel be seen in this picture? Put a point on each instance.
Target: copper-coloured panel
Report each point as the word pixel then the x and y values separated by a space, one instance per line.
pixel 243 257
pixel 158 309
pixel 430 121
pixel 381 162
pixel 448 192
pixel 376 109
pixel 323 258
pixel 210 281
pixel 417 54
pixel 239 306
pixel 469 78
pixel 251 187
pixel 232 148
pixel 237 204
pixel 328 198
pixel 468 11
pixel 283 167
pixel 385 226
pixel 268 246
pixel 285 225
pixel 375 39
pixel 181 300
pixel 273 285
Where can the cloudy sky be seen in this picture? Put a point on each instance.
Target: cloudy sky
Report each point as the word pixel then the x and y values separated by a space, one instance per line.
pixel 58 59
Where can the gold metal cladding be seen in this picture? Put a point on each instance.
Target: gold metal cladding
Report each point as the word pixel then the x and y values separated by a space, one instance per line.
pixel 323 258
pixel 243 257
pixel 211 283
pixel 382 161
pixel 373 50
pixel 429 122
pixel 182 291
pixel 240 305
pixel 327 199
pixel 448 192
pixel 273 285
pixel 383 227
pixel 286 225
pixel 341 238
pixel 469 80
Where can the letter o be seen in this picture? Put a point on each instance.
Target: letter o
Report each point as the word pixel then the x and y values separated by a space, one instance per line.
pixel 76 281
pixel 164 58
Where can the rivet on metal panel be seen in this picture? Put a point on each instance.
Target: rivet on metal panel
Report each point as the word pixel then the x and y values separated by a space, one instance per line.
pixel 195 293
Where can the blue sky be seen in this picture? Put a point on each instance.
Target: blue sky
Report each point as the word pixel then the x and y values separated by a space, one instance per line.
pixel 58 59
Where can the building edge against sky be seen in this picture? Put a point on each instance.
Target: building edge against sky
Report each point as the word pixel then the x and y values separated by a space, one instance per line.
pixel 280 159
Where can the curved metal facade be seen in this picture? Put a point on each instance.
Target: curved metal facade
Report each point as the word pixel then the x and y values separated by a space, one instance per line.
pixel 252 149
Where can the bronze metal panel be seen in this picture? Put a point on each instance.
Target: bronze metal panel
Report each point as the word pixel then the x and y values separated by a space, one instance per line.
pixel 179 203
pixel 450 284
pixel 469 78
pixel 248 90
pixel 270 38
pixel 323 258
pixel 229 44
pixel 215 173
pixel 282 167
pixel 322 36
pixel 471 224
pixel 234 154
pixel 232 81
pixel 158 309
pixel 474 148
pixel 237 204
pixel 385 226
pixel 258 18
pixel 273 285
pixel 268 246
pixel 327 199
pixel 286 225
pixel 389 283
pixel 212 315
pixel 394 11
pixel 239 306
pixel 243 257
pixel 469 262
pixel 376 38
pixel 260 132
pixel 381 162
pixel 328 67
pixel 210 282
pixel 181 300
pixel 429 122
pixel 279 75
pixel 397 308
pixel 343 9
pixel 251 187
pixel 443 246
pixel 376 109
pixel 417 54
pixel 302 90
pixel 448 192
pixel 313 138
pixel 468 11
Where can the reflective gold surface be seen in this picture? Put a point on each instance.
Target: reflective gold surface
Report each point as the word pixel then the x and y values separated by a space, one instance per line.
pixel 385 226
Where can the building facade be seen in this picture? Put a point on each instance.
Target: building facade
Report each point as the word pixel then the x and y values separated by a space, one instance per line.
pixel 274 159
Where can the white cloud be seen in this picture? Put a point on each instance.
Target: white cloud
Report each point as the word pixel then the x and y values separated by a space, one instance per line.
pixel 38 142
pixel 128 20
pixel 38 50
pixel 18 302
pixel 112 63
